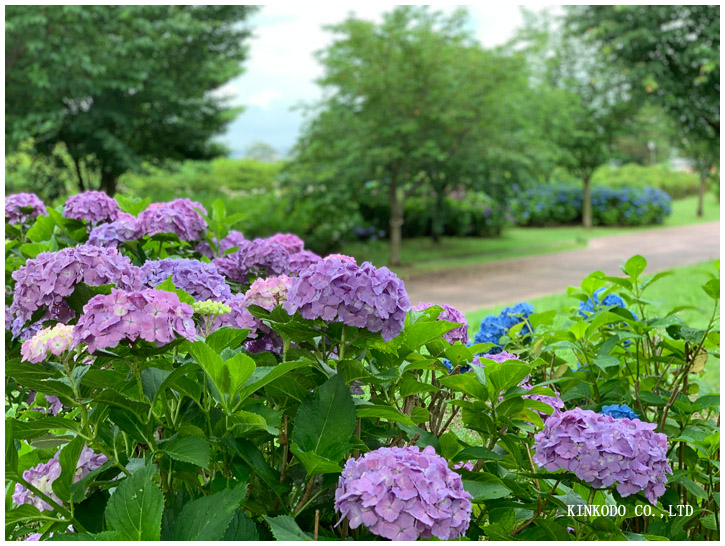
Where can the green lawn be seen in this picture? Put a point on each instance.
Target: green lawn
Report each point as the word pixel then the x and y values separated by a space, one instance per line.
pixel 683 287
pixel 421 255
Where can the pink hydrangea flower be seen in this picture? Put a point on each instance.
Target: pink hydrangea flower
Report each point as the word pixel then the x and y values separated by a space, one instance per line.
pixel 289 241
pixel 404 494
pixel 55 340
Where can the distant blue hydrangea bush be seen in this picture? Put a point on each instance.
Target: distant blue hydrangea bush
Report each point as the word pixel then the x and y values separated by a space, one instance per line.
pixel 619 412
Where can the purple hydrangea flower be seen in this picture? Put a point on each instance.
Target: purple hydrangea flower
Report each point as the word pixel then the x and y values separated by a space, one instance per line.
pixel 54 407
pixel 153 315
pixel 52 276
pixel 302 260
pixel 289 241
pixel 619 412
pixel 233 239
pixel 261 338
pixel 341 257
pixel 23 207
pixel 449 314
pixel 43 476
pixel 257 257
pixel 201 280
pixel 94 206
pixel 404 494
pixel 178 216
pixel 602 451
pixel 113 234
pixel 361 296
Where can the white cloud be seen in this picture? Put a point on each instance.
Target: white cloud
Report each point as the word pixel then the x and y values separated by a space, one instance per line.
pixel 263 98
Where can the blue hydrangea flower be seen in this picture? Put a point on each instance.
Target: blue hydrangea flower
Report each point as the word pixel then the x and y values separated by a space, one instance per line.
pixel 619 412
pixel 494 327
pixel 593 304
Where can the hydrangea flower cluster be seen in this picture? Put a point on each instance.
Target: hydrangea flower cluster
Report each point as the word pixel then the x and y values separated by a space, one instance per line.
pixel 341 257
pixel 233 239
pixel 289 241
pixel 402 493
pixel 22 207
pixel 94 206
pixel 257 257
pixel 55 340
pixel 302 260
pixel 43 476
pixel 201 281
pixel 619 412
pixel 178 216
pixel 449 314
pixel 602 451
pixel 210 308
pixel 593 304
pixel 54 403
pixel 153 315
pixel 52 276
pixel 494 327
pixel 261 337
pixel 361 296
pixel 269 292
pixel 113 234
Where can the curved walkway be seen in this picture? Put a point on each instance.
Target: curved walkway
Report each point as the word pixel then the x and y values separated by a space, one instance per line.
pixel 519 279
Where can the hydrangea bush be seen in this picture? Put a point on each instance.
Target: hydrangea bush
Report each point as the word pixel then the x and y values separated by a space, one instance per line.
pixel 291 396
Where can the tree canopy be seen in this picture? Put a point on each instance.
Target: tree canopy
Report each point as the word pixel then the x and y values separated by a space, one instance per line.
pixel 120 85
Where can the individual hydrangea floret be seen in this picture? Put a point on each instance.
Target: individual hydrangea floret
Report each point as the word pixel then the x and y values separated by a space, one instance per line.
pixel 94 206
pixel 178 216
pixel 403 493
pixel 201 281
pixel 260 257
pixel 493 327
pixel 43 475
pixel 289 241
pixel 54 403
pixel 361 296
pixel 55 340
pixel 302 260
pixel 449 314
pixel 619 412
pixel 113 234
pixel 602 451
pixel 23 207
pixel 153 315
pixel 49 278
pixel 233 239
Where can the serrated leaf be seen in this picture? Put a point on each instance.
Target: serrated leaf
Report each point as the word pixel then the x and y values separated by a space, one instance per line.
pixel 208 518
pixel 189 449
pixel 68 459
pixel 135 507
pixel 285 528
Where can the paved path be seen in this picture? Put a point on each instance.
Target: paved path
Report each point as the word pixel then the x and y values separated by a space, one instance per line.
pixel 520 279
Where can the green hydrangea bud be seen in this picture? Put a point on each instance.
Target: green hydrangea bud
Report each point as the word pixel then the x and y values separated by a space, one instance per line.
pixel 210 308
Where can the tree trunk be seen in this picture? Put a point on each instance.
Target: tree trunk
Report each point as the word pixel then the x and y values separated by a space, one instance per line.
pixel 587 204
pixel 396 225
pixel 701 194
pixel 108 183
pixel 81 184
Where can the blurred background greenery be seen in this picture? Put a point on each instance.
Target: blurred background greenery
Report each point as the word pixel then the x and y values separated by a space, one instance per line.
pixel 423 145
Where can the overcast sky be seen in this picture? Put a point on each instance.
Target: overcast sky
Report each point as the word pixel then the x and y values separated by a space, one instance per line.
pixel 281 70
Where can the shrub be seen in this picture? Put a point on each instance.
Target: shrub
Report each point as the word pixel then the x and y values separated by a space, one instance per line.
pixel 320 405
pixel 547 205
pixel 677 184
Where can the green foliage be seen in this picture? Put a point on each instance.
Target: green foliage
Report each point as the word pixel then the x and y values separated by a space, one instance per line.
pixel 111 82
pixel 677 184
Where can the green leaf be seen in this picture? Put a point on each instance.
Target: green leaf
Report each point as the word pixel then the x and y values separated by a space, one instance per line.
pixel 168 286
pixel 485 487
pixel 325 422
pixel 68 459
pixel 82 293
pixel 285 528
pixel 241 528
pixel 189 449
pixel 418 334
pixel 268 374
pixel 135 507
pixel 151 381
pixel 504 375
pixel 208 518
pixel 132 205
pixel 388 413
pixel 314 463
pixel 132 425
pixel 712 288
pixel 449 445
pixel 42 229
pixel 225 338
pixel 635 266
pixel 466 383
pixel 24 430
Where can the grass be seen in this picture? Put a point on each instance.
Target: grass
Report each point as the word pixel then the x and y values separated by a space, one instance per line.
pixel 420 255
pixel 682 287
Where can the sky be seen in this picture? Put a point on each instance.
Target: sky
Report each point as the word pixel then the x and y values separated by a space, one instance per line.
pixel 280 71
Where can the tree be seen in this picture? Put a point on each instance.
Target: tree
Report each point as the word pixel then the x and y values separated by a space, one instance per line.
pixel 405 107
pixel 671 57
pixel 593 98
pixel 120 85
pixel 261 151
